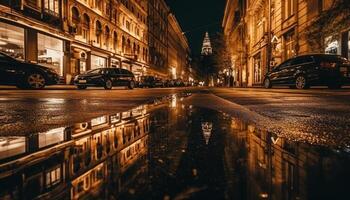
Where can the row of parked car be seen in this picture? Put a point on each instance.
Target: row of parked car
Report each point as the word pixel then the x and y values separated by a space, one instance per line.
pixel 27 75
pixel 299 72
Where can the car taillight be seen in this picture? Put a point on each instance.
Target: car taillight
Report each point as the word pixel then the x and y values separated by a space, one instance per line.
pixel 328 64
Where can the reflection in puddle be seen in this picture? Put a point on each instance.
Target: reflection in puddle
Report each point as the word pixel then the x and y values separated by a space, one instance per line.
pixel 168 150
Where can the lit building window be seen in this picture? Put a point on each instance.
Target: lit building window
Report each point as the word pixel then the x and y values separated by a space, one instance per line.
pixel 98 32
pixel 289 46
pixel 86 27
pixel 34 3
pixel 107 35
pixel 332 46
pixel 289 8
pixel 349 46
pixel 257 69
pixel 75 16
pixel 53 177
pixel 12 40
pixel 50 52
pixel 98 62
pixel 123 44
pixel 52 7
pixel 127 25
pixel 115 41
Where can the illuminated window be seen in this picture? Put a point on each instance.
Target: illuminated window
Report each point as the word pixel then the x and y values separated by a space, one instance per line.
pixel 107 35
pixel 75 16
pixel 332 45
pixel 53 177
pixel 50 52
pixel 289 8
pixel 127 25
pixel 12 40
pixel 115 41
pixel 289 46
pixel 34 3
pixel 98 32
pixel 257 69
pixel 86 27
pixel 98 121
pixel 52 7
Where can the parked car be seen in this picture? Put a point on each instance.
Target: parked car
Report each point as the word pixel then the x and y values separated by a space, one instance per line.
pixel 301 72
pixel 150 81
pixel 25 75
pixel 105 77
pixel 179 82
pixel 169 83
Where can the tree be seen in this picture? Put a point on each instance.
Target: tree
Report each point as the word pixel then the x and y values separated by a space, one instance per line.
pixel 329 23
pixel 221 53
pixel 222 59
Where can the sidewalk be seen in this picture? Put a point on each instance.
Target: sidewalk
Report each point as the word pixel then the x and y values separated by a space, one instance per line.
pixel 51 87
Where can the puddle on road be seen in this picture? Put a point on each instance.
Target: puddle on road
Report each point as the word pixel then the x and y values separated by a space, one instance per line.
pixel 168 150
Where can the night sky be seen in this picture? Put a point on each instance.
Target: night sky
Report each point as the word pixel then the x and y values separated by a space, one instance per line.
pixel 194 14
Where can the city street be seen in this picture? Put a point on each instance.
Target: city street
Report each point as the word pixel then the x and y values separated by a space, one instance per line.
pixel 317 115
pixel 174 100
pixel 23 112
pixel 198 142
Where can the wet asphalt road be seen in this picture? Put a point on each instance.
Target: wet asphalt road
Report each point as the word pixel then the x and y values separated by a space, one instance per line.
pixel 305 113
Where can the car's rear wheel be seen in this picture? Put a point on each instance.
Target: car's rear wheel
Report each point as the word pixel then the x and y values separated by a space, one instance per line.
pixel 267 83
pixel 131 85
pixel 35 81
pixel 108 84
pixel 81 87
pixel 301 82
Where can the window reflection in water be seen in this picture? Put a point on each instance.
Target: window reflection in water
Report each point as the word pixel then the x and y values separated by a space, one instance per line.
pixel 156 151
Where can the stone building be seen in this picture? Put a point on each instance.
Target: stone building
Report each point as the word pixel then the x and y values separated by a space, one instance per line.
pixel 73 36
pixel 179 51
pixel 264 33
pixel 158 12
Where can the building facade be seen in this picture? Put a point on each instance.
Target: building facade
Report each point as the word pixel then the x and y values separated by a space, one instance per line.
pixel 73 36
pixel 179 51
pixel 264 33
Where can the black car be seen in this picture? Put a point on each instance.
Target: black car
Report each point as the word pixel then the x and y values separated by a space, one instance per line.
pixel 310 70
pixel 150 81
pixel 25 75
pixel 105 77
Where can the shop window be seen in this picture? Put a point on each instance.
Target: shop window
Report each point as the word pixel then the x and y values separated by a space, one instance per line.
pixel 12 40
pixel 53 177
pixel 50 52
pixel 98 62
pixel 289 46
pixel 332 45
pixel 52 7
pixel 257 69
